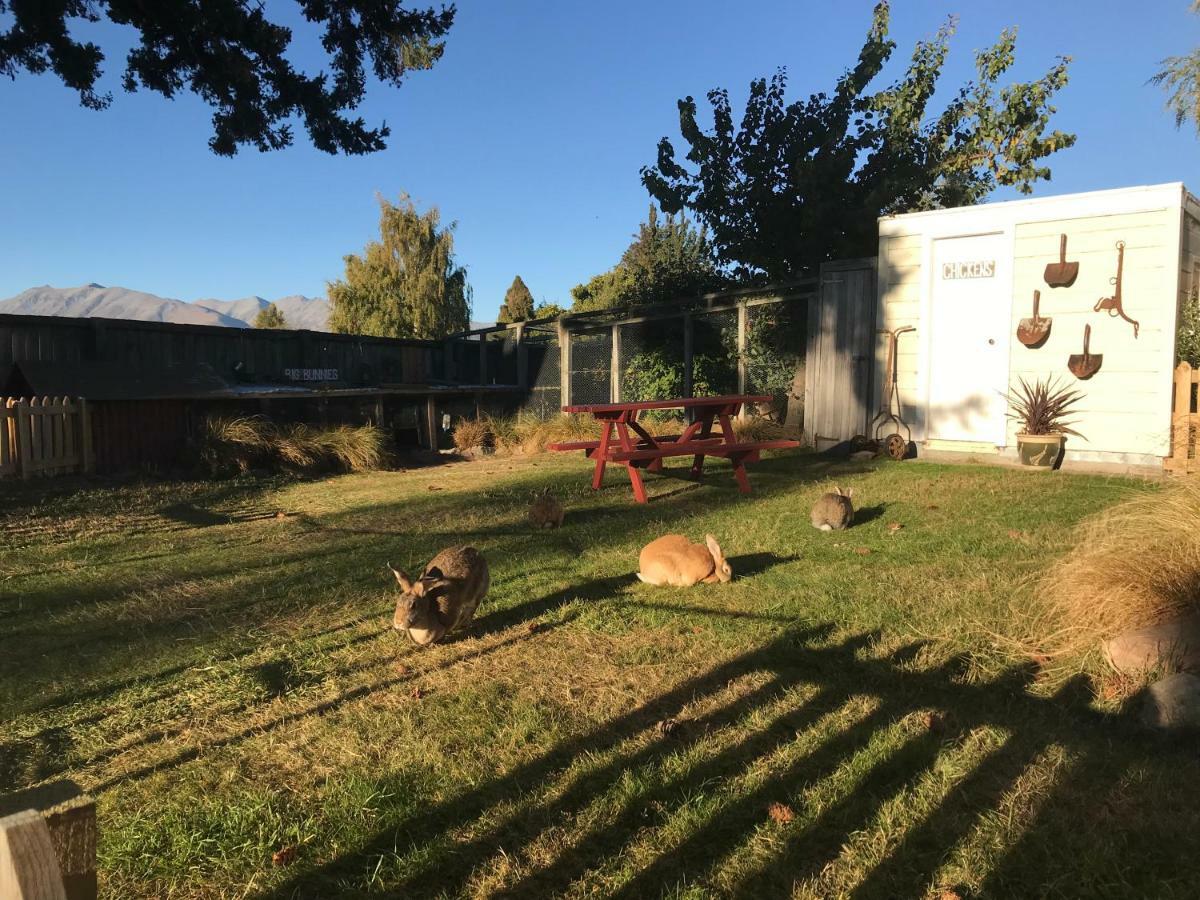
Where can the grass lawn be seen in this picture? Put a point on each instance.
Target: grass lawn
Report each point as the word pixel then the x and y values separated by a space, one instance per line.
pixel 214 661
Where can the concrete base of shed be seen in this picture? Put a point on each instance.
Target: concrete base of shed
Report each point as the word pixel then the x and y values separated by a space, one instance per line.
pixel 1090 463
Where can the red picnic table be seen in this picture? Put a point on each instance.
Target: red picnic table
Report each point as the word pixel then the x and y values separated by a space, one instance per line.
pixel 648 452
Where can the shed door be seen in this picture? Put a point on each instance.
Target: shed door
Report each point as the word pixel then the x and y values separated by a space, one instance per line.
pixel 970 318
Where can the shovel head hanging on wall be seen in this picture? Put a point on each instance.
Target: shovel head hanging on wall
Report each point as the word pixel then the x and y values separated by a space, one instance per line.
pixel 1084 365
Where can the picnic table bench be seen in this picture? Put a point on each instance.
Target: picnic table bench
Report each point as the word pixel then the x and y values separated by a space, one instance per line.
pixel 645 451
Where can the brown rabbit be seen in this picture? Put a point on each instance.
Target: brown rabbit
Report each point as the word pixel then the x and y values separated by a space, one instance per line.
pixel 444 598
pixel 833 512
pixel 546 512
pixel 676 561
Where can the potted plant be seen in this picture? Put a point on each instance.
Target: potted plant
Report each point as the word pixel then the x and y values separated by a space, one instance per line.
pixel 1041 409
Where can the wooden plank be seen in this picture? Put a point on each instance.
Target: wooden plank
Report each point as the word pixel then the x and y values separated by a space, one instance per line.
pixel 683 403
pixel 28 864
pixel 24 439
pixel 70 816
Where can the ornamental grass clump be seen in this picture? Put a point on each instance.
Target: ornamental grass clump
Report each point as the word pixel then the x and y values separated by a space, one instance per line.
pixel 240 443
pixel 1042 407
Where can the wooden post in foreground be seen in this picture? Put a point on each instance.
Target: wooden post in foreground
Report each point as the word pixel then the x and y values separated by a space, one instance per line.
pixel 48 843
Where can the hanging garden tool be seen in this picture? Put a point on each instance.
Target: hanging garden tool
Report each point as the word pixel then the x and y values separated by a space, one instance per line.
pixel 1061 273
pixel 1033 332
pixel 1084 365
pixel 1113 303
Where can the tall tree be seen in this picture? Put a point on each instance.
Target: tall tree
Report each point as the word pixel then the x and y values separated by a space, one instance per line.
pixel 230 55
pixel 1180 77
pixel 270 316
pixel 668 260
pixel 802 182
pixel 407 284
pixel 518 303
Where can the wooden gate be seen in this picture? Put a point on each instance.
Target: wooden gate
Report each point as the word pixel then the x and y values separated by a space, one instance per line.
pixel 44 436
pixel 839 356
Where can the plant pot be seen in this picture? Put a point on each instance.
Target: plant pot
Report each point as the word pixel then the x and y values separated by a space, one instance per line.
pixel 1042 451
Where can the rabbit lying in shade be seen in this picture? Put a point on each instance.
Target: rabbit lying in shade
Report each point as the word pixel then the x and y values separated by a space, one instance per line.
pixel 674 560
pixel 444 598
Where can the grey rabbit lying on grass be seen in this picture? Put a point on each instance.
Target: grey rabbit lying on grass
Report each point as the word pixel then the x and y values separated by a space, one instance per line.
pixel 444 598
pixel 833 511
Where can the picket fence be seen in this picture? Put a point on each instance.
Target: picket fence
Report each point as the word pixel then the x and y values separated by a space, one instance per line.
pixel 1185 422
pixel 44 436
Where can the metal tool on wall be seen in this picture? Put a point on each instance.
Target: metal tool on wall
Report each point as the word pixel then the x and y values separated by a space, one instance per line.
pixel 1113 303
pixel 1084 365
pixel 1061 273
pixel 1033 332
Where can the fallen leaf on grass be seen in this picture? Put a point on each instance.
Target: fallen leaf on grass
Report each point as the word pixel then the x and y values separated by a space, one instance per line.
pixel 284 857
pixel 417 693
pixel 862 551
pixel 781 813
pixel 401 669
pixel 433 487
pixel 933 506
pixel 893 527
pixel 667 727
pixel 534 627
pixel 934 722
pixel 1017 535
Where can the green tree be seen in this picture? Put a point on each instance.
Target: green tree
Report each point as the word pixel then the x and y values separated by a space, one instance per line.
pixel 548 310
pixel 407 284
pixel 518 303
pixel 1180 77
pixel 668 260
pixel 231 56
pixel 270 316
pixel 798 183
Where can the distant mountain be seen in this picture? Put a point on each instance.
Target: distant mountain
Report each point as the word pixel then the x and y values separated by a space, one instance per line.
pixel 98 301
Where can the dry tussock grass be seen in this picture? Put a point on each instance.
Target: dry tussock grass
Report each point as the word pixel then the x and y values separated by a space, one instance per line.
pixel 243 443
pixel 1136 564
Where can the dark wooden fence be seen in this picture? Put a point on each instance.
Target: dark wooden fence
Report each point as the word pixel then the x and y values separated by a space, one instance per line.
pixel 249 352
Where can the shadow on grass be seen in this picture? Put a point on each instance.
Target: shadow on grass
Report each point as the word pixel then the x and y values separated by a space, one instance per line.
pixel 551 794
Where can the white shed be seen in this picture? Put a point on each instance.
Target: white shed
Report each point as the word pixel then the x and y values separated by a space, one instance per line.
pixel 965 277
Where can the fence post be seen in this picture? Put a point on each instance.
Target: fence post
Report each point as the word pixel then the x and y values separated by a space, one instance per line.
pixel 85 425
pixel 1180 417
pixel 483 367
pixel 614 367
pixel 431 423
pixel 688 354
pixel 522 360
pixel 741 354
pixel 24 439
pixel 564 364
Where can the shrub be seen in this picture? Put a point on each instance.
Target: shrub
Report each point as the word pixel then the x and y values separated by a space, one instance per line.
pixel 242 443
pixel 1133 565
pixel 469 434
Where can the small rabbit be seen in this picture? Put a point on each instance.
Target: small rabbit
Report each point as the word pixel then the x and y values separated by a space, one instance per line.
pixel 444 598
pixel 546 512
pixel 833 512
pixel 676 561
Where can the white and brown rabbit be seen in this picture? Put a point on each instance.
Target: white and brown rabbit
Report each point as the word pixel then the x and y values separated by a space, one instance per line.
pixel 546 512
pixel 834 511
pixel 676 561
pixel 444 598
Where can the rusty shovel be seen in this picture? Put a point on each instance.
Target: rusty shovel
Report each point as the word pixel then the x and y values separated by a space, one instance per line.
pixel 1084 365
pixel 1061 273
pixel 1033 332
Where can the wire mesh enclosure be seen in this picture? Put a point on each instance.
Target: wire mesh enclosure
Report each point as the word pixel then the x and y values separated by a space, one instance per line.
pixel 715 353
pixel 591 366
pixel 651 360
pixel 542 365
pixel 774 352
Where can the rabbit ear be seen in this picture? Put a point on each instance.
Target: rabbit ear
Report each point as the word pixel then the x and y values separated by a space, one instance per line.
pixel 849 493
pixel 714 548
pixel 838 490
pixel 401 579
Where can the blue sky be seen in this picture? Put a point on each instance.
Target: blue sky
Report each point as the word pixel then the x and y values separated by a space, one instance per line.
pixel 529 133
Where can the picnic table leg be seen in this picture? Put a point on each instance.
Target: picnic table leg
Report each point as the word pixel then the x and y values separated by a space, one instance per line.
pixel 739 472
pixel 705 431
pixel 635 475
pixel 601 456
